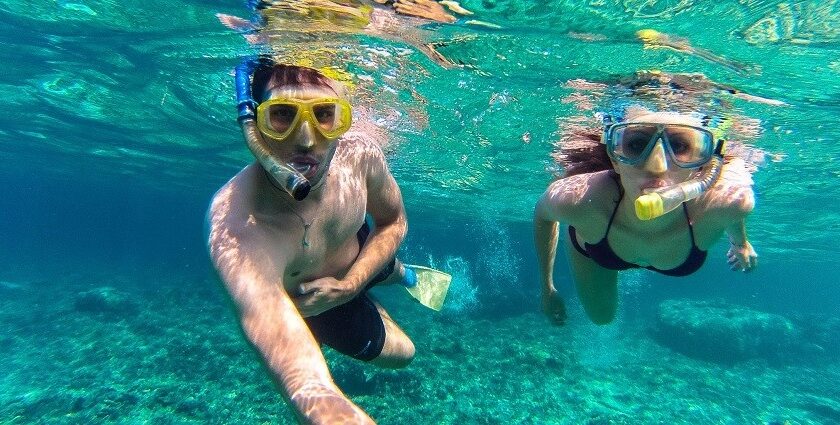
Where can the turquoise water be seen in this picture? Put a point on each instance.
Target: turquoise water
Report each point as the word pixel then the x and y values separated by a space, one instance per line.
pixel 118 126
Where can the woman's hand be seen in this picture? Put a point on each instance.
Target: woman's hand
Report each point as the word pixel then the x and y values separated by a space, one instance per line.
pixel 554 308
pixel 742 257
pixel 320 295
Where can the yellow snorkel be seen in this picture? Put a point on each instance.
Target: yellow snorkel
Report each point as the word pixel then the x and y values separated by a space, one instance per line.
pixel 284 176
pixel 660 201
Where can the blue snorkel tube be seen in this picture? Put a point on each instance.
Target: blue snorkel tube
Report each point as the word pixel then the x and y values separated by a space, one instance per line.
pixel 284 176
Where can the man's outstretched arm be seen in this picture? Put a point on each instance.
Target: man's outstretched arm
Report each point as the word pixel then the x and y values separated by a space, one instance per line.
pixel 272 324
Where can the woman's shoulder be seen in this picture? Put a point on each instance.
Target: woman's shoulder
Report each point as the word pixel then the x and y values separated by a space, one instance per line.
pixel 578 195
pixel 580 187
pixel 732 195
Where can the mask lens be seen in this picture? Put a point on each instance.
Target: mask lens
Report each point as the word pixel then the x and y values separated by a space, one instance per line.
pixel 326 116
pixel 689 146
pixel 281 117
pixel 332 118
pixel 631 141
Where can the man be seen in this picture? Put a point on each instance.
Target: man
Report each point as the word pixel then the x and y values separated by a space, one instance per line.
pixel 298 271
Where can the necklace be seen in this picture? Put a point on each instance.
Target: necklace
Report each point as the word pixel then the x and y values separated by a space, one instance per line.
pixel 305 241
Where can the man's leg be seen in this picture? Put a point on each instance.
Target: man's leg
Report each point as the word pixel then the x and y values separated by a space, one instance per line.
pixel 362 329
pixel 397 275
pixel 398 350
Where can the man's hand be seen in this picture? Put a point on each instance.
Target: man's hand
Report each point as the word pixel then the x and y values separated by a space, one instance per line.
pixel 554 308
pixel 742 257
pixel 315 297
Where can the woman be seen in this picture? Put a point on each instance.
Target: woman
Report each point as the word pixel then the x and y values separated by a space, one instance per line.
pixel 639 151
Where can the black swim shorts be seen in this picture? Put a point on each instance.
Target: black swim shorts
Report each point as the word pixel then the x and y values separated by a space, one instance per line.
pixel 355 328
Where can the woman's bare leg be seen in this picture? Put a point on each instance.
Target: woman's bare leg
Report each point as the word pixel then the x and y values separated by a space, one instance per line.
pixel 597 287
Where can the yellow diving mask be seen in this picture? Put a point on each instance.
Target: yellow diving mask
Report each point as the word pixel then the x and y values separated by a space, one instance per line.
pixel 277 118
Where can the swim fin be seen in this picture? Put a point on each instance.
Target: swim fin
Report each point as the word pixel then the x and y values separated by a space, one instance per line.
pixel 428 286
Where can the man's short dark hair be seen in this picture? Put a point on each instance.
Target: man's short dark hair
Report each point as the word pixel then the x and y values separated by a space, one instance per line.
pixel 269 75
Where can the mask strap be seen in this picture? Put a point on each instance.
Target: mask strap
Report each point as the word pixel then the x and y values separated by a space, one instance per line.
pixel 605 118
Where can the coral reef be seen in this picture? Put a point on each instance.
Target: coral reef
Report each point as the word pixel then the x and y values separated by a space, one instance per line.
pixel 181 358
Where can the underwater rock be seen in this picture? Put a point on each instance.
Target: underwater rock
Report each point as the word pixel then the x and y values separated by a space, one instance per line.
pixel 828 409
pixel 819 336
pixel 353 379
pixel 827 334
pixel 722 332
pixel 104 300
pixel 192 407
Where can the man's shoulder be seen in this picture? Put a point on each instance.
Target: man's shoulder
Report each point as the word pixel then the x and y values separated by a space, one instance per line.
pixel 361 155
pixel 358 145
pixel 231 200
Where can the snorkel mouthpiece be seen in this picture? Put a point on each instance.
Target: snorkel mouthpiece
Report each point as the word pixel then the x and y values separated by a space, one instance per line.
pixel 658 202
pixel 284 176
pixel 297 188
pixel 649 206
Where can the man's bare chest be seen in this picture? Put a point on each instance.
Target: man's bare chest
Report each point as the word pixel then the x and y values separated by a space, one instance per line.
pixel 319 241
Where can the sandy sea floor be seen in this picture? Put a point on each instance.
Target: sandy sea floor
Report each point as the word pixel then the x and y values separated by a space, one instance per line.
pixel 171 352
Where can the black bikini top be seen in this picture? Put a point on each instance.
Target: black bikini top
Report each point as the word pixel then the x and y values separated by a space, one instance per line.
pixel 603 254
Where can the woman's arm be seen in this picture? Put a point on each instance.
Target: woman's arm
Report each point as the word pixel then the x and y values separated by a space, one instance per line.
pixel 545 237
pixel 569 200
pixel 729 202
pixel 546 232
pixel 557 204
pixel 741 255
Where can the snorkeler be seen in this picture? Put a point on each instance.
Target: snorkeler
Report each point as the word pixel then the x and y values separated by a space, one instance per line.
pixel 300 236
pixel 653 39
pixel 651 189
pixel 397 20
pixel 426 9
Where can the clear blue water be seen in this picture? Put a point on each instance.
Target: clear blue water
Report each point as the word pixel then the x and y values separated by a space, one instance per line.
pixel 118 125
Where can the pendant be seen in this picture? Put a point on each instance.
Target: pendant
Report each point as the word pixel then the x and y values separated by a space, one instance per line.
pixel 305 242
